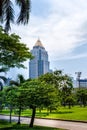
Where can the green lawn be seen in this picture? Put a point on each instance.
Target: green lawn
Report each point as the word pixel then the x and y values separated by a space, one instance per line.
pixel 75 113
pixel 7 126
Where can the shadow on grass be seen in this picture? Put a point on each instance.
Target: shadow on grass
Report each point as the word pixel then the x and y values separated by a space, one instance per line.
pixel 58 112
pixel 64 112
pixel 43 114
pixel 48 114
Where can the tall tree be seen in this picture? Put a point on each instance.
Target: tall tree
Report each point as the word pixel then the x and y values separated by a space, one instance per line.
pixel 8 11
pixel 38 94
pixel 66 89
pixel 10 98
pixel 82 96
pixel 62 82
pixel 20 102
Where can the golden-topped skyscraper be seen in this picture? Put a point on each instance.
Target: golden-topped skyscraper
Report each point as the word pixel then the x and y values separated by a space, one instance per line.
pixel 39 65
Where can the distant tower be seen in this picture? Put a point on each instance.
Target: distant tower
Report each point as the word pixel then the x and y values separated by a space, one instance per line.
pixel 78 77
pixel 40 64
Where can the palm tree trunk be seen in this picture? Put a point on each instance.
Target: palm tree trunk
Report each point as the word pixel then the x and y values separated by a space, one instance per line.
pixel 33 117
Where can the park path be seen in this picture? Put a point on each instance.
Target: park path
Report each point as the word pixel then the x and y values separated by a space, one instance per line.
pixel 51 123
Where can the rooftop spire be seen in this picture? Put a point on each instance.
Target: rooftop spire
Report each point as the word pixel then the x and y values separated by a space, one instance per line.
pixel 38 43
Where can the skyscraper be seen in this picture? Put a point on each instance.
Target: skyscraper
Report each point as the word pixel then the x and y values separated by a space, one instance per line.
pixel 39 64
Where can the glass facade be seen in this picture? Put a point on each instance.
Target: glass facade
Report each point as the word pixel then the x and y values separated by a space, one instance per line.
pixel 82 83
pixel 39 64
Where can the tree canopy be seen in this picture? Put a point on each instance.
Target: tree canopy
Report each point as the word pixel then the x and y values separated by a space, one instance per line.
pixel 57 78
pixel 38 94
pixel 81 95
pixel 12 52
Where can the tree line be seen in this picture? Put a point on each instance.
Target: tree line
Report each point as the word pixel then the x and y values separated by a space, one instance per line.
pixel 49 91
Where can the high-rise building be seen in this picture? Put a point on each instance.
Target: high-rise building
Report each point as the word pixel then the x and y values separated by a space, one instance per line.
pixel 39 64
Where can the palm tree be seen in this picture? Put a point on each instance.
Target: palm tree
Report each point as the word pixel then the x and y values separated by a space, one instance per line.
pixel 20 79
pixel 2 78
pixel 7 12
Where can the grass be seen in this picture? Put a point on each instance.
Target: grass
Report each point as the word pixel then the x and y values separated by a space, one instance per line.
pixel 7 126
pixel 75 113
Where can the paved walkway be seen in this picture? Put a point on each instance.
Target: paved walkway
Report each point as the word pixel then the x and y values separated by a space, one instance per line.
pixel 51 123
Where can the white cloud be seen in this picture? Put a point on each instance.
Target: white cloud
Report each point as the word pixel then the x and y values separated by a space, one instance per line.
pixel 61 31
pixel 71 57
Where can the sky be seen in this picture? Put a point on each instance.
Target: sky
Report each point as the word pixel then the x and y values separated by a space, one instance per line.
pixel 61 25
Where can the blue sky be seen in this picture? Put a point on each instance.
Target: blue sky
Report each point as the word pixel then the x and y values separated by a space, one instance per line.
pixel 62 29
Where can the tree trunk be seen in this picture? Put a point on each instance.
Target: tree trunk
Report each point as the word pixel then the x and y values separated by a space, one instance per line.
pixel 69 105
pixel 33 117
pixel 40 110
pixel 10 113
pixel 19 115
pixel 50 110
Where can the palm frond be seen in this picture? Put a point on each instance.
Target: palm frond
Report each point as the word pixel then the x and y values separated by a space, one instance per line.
pixel 3 69
pixel 1 10
pixel 24 11
pixel 3 78
pixel 13 83
pixel 1 3
pixel 1 86
pixel 21 78
pixel 8 13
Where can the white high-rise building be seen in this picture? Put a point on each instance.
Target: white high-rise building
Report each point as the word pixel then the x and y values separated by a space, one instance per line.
pixel 39 64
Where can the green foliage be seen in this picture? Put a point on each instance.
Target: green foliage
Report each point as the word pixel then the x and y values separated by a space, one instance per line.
pixel 66 90
pixel 48 78
pixel 39 93
pixel 13 53
pixel 1 100
pixel 61 82
pixel 70 101
pixel 57 78
pixel 10 96
pixel 82 96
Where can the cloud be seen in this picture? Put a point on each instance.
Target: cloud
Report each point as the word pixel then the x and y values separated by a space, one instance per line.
pixel 61 31
pixel 71 57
